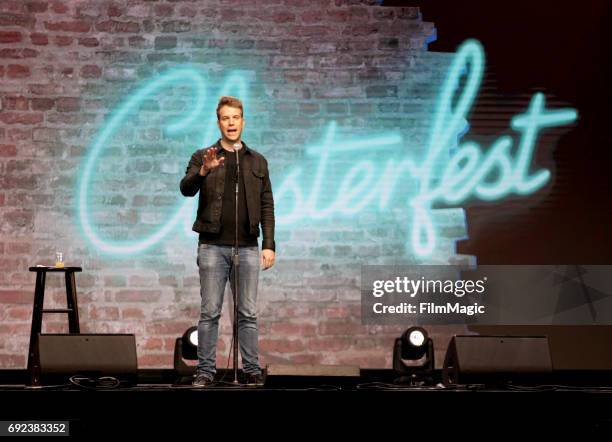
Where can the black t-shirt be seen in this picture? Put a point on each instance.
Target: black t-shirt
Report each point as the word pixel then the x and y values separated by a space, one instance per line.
pixel 228 216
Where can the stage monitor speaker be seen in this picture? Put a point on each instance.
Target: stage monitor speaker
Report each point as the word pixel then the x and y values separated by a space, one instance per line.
pixel 496 360
pixel 88 354
pixel 573 348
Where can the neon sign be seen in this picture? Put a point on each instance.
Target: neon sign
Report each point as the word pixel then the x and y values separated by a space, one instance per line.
pixel 466 174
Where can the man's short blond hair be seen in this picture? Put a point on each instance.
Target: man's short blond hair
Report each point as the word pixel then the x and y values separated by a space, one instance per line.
pixel 231 102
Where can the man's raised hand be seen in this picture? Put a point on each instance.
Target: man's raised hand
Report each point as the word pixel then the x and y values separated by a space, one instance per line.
pixel 210 161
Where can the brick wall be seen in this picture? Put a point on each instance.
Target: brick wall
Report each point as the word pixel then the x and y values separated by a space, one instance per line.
pixel 66 70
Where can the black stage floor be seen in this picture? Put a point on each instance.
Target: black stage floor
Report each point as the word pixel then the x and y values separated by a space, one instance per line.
pixel 155 405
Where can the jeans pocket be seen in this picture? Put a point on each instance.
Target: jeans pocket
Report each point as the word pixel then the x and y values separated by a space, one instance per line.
pixel 201 246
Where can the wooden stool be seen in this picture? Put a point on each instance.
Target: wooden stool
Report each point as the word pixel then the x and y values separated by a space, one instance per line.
pixel 37 314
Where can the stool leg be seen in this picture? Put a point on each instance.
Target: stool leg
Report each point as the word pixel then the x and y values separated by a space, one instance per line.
pixel 71 301
pixel 37 313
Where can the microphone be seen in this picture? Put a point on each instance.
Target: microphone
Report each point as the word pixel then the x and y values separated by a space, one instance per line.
pixel 237 147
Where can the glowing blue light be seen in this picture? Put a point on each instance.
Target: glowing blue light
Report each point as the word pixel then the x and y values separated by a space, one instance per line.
pixel 530 124
pixel 471 171
pixel 466 172
pixel 183 76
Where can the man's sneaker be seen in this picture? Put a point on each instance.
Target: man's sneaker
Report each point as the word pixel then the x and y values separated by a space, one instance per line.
pixel 201 381
pixel 254 379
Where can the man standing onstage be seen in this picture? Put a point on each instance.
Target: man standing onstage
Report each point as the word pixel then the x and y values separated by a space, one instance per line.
pixel 212 172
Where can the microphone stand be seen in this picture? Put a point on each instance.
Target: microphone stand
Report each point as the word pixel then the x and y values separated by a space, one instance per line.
pixel 236 265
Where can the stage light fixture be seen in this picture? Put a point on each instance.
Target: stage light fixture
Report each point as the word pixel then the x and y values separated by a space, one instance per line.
pixel 186 348
pixel 190 338
pixel 413 357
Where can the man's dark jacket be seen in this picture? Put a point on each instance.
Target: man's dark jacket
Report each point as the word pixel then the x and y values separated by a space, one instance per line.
pixel 260 202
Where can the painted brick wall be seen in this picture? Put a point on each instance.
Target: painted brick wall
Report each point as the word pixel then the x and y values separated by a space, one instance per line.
pixel 66 67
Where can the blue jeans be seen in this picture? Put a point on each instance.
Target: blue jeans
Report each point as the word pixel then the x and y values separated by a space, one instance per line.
pixel 216 269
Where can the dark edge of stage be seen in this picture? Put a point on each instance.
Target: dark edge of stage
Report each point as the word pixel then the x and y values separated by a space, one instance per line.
pixel 578 403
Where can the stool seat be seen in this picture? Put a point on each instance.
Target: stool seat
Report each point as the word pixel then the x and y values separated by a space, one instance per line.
pixel 71 310
pixel 55 269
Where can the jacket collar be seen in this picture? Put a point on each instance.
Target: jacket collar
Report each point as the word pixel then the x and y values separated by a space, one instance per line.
pixel 221 149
